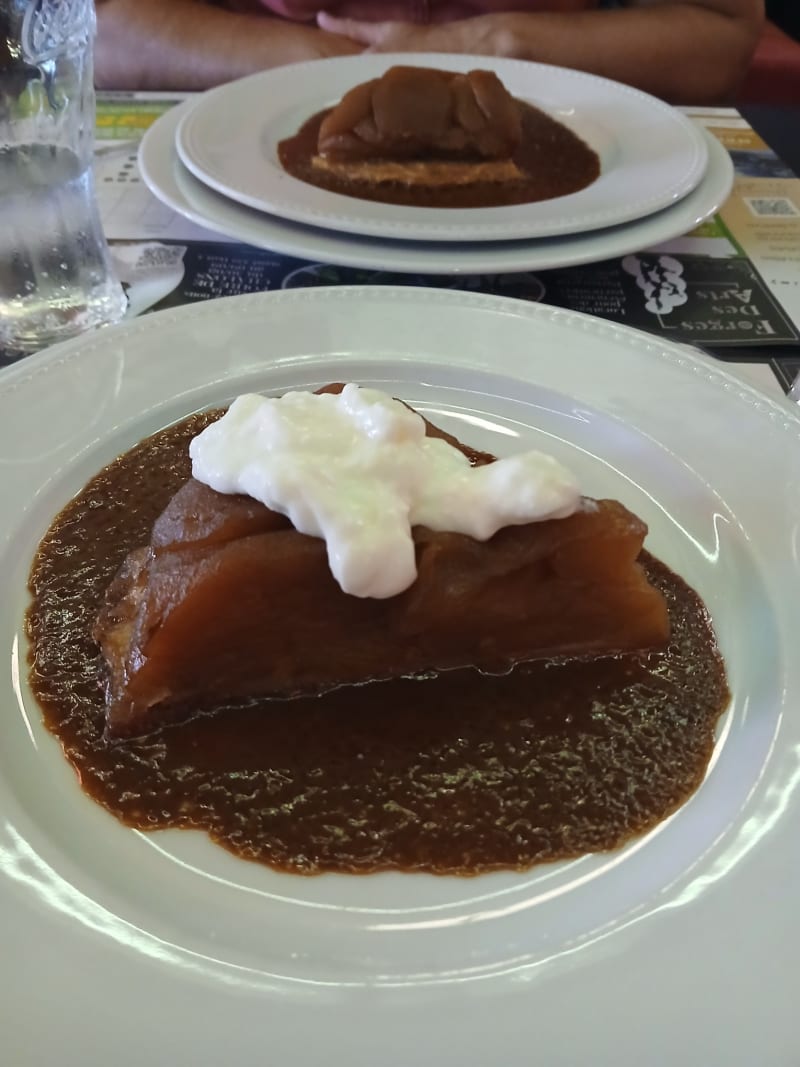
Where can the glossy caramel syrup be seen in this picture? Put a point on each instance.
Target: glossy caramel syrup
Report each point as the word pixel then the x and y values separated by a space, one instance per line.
pixel 460 773
pixel 554 160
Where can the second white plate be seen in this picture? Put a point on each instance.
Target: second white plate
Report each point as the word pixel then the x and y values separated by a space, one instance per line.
pixel 651 155
pixel 172 183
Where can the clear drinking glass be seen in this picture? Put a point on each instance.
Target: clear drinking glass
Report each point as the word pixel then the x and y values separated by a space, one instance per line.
pixel 56 278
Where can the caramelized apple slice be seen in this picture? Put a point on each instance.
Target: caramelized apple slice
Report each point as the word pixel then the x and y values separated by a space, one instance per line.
pixel 229 602
pixel 423 113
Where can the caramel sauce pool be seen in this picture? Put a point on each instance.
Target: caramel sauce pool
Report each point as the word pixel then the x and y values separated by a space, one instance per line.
pixel 555 162
pixel 457 774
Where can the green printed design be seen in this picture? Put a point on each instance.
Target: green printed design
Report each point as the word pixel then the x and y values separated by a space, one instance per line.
pixel 125 120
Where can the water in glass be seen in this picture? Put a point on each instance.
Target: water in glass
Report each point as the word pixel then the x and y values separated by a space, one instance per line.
pixel 56 278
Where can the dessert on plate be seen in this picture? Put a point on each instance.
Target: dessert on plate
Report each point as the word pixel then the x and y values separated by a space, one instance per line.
pixel 421 126
pixel 230 600
pixel 492 671
pixel 428 137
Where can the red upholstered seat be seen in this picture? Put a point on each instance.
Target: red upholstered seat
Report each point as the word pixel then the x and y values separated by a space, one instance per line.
pixel 774 74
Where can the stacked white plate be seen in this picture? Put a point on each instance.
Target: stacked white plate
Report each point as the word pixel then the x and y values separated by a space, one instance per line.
pixel 680 948
pixel 215 160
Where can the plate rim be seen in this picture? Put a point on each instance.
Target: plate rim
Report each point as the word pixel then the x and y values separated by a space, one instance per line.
pixel 684 355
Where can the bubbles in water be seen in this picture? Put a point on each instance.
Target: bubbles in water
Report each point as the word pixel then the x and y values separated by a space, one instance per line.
pixel 56 258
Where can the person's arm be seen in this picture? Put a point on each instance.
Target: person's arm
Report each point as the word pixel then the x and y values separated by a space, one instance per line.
pixel 690 52
pixel 187 44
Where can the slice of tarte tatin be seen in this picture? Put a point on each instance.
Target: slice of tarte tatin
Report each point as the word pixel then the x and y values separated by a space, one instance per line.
pixel 418 126
pixel 229 601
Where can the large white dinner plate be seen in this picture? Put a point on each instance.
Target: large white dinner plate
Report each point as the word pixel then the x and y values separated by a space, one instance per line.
pixel 127 948
pixel 172 183
pixel 650 154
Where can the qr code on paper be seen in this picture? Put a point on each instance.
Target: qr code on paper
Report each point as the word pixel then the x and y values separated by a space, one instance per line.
pixel 772 206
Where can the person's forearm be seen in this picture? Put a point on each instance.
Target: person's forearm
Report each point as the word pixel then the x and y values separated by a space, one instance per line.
pixel 186 44
pixel 708 50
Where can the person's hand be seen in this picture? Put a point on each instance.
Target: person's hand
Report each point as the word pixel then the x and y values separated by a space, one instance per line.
pixel 394 36
pixel 329 44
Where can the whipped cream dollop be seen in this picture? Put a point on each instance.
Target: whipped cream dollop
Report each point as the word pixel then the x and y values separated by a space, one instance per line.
pixel 357 469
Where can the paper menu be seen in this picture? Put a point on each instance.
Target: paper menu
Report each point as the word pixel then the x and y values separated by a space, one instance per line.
pixel 130 212
pixel 762 215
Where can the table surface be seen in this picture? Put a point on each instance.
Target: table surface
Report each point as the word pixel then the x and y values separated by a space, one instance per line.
pixel 779 128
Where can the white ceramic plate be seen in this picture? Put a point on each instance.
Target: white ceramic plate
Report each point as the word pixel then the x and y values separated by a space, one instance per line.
pixel 124 948
pixel 651 155
pixel 172 183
